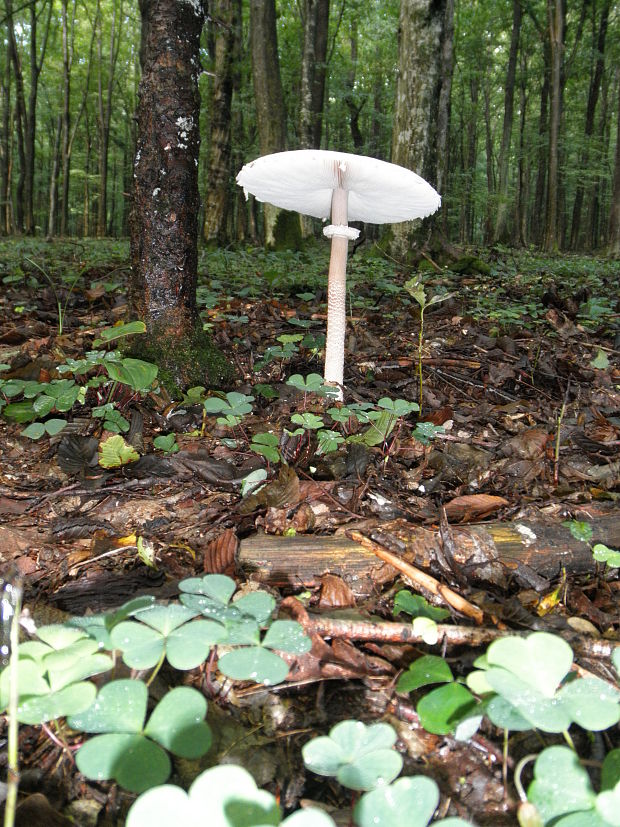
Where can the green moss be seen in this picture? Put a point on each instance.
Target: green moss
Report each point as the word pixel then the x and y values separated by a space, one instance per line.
pixel 287 232
pixel 184 363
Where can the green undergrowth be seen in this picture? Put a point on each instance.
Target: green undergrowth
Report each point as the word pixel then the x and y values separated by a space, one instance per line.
pixel 521 683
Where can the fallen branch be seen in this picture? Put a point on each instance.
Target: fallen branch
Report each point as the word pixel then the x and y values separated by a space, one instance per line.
pixel 420 578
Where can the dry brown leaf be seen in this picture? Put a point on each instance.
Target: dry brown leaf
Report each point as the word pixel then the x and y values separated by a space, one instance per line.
pixel 473 506
pixel 219 555
pixel 335 594
pixel 529 445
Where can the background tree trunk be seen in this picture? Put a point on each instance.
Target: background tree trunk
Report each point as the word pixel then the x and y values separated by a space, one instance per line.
pixel 421 32
pixel 164 218
pixel 555 19
pixel 501 222
pixel 226 17
pixel 598 50
pixel 268 95
pixel 613 248
pixel 104 111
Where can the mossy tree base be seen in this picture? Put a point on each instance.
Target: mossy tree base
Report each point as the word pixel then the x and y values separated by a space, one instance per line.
pixel 184 362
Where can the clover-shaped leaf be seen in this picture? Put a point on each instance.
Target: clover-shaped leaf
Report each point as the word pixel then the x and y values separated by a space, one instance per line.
pixel 541 660
pixel 230 797
pixel 256 662
pixel 166 629
pixel 359 756
pixel 561 785
pixel 408 802
pixel 131 753
pixel 527 672
pixel 52 672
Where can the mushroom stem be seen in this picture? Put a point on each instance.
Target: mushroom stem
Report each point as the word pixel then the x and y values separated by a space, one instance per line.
pixel 337 290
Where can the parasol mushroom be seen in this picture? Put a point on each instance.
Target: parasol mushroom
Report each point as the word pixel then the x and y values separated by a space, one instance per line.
pixel 350 187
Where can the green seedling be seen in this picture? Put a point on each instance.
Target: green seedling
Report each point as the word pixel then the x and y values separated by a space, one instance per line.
pixel 307 421
pixel 266 444
pixel 230 797
pixel 166 443
pixel 416 290
pixel 408 802
pixel 131 752
pixel 60 305
pixel 234 407
pixel 113 420
pixel 114 452
pixel 417 606
pixel 582 531
pixel 360 757
pixel 328 441
pixel 563 794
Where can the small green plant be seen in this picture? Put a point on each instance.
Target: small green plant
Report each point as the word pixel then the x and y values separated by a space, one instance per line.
pixel 583 531
pixel 226 796
pixel 416 290
pixel 242 621
pixel 166 443
pixel 563 795
pixel 359 756
pixel 362 757
pixel 234 407
pixel 266 444
pixel 130 751
pixel 60 305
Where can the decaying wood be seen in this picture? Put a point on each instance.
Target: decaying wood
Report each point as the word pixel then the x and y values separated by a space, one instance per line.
pixel 421 579
pixel 494 552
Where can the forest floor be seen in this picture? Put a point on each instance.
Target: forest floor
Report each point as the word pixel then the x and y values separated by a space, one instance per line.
pixel 497 502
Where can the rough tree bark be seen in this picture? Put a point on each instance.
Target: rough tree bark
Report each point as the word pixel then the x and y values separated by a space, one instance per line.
pixel 226 17
pixel 613 248
pixel 104 109
pixel 598 49
pixel 268 95
pixel 501 220
pixel 555 19
pixel 418 88
pixel 164 218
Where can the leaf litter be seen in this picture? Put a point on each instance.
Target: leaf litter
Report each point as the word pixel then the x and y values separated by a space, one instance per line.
pixel 521 414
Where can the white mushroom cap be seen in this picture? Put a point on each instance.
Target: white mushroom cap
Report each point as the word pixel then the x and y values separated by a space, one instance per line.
pixel 349 188
pixel 304 180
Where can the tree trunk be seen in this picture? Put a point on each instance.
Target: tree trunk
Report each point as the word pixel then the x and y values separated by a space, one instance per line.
pixel 164 218
pixel 104 100
pixel 320 69
pixel 226 16
pixel 421 35
pixel 268 95
pixel 593 94
pixel 613 244
pixel 53 193
pixel 501 222
pixel 5 146
pixel 443 110
pixel 67 61
pixel 20 120
pixel 354 104
pixel 555 19
pixel 488 218
pixel 537 220
pixel 520 229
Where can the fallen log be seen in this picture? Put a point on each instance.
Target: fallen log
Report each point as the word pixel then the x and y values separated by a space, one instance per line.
pixel 533 551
